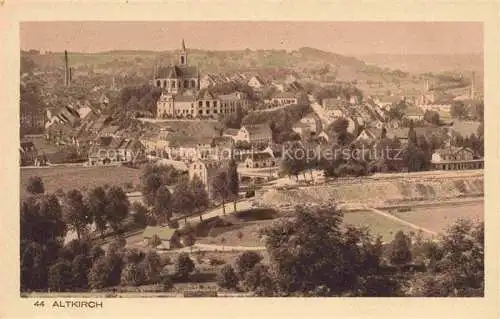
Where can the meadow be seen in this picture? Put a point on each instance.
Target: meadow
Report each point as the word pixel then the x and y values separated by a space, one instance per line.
pixel 439 218
pixel 79 177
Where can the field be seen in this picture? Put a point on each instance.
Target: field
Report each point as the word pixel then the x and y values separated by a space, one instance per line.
pixel 436 218
pixel 439 218
pixel 378 225
pixel 77 177
pixel 249 231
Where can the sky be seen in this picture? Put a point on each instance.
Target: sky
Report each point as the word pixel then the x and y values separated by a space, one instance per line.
pixel 350 38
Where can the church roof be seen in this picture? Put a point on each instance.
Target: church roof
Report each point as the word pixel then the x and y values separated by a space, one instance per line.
pixel 175 72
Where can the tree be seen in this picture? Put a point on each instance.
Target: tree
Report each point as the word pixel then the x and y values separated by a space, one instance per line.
pixel 183 199
pixel 132 275
pixel 294 160
pixel 400 249
pixel 117 208
pixel 259 280
pixel 33 266
pixel 412 134
pixel 60 276
pixel 74 248
pixel 75 212
pixel 140 214
pixel 226 277
pixel 98 274
pixel 149 186
pixel 184 266
pixel 200 195
pixel 80 268
pixel 155 176
pixel 41 219
pixel 115 264
pixel 220 189
pixel 35 185
pixel 455 263
pixel 97 202
pixel 233 183
pixel 163 204
pixel 95 253
pixel 246 261
pixel 313 252
pixel 152 266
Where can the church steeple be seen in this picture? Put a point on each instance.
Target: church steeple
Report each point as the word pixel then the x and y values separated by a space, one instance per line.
pixel 183 55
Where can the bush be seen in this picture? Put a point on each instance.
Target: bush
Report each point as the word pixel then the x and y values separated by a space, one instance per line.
pixel 133 275
pixel 226 277
pixel 184 266
pixel 247 261
pixel 400 249
pixel 35 185
pixel 250 193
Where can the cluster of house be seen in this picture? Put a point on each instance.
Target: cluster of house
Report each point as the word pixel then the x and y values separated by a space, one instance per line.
pixel 185 92
pixel 182 95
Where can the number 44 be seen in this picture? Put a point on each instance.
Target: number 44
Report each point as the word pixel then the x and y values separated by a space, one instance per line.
pixel 39 303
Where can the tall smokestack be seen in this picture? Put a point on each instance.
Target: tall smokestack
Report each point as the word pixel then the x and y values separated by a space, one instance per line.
pixel 66 71
pixel 473 86
pixel 70 75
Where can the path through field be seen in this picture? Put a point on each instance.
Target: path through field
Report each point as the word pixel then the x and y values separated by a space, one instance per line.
pixel 399 220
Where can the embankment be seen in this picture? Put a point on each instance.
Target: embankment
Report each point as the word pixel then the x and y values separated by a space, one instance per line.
pixel 381 192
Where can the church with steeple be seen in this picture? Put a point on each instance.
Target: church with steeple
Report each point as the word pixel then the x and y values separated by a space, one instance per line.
pixel 181 97
pixel 180 78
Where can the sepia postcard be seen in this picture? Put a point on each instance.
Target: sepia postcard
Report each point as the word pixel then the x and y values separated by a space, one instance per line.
pixel 304 165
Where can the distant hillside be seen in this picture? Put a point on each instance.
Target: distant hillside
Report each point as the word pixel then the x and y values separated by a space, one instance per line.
pixel 415 63
pixel 373 74
pixel 306 60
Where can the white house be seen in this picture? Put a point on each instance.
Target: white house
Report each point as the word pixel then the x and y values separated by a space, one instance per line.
pixel 255 134
pixel 256 83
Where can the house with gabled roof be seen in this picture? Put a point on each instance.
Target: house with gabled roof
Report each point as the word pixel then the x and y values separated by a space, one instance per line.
pixel 256 83
pixel 455 158
pixel 261 160
pixel 255 134
pixel 205 170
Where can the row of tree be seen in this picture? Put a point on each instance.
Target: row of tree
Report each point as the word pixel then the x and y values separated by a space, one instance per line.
pixel 79 266
pixel 102 206
pixel 226 185
pixel 166 191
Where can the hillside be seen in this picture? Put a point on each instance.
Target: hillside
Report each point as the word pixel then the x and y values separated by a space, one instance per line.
pixel 373 74
pixel 421 63
pixel 304 60
pixel 382 192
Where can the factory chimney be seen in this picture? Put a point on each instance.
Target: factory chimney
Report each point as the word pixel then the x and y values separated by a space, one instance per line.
pixel 66 69
pixel 473 86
